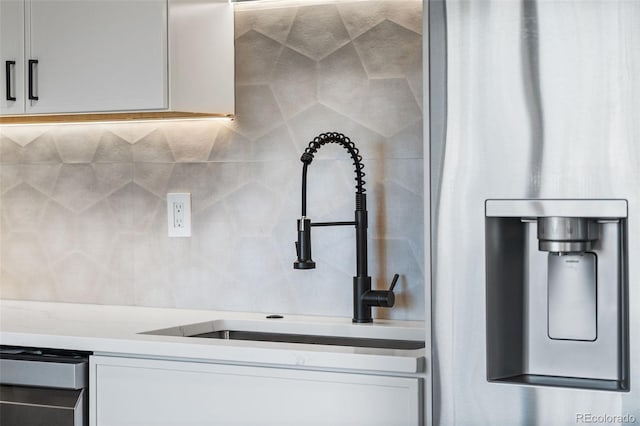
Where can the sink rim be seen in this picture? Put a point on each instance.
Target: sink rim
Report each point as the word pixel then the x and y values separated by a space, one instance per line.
pixel 376 331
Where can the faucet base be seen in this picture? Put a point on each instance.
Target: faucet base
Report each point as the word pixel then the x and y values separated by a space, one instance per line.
pixel 361 309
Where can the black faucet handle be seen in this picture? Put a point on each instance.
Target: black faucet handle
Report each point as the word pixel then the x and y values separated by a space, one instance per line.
pixel 394 282
pixel 382 298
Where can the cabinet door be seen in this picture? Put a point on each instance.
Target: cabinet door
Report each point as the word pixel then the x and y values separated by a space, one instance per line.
pixel 97 55
pixel 12 56
pixel 161 393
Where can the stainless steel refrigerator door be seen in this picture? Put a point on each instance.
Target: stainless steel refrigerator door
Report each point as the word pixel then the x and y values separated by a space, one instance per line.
pixel 541 101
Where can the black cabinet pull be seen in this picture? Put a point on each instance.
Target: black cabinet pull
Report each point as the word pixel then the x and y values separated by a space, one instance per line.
pixel 7 74
pixel 32 62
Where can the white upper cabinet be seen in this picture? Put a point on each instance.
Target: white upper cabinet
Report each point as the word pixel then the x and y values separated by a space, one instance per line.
pixel 12 57
pixel 98 55
pixel 202 56
pixel 114 56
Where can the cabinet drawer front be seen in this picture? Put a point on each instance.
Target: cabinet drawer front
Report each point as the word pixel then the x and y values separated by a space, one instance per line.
pixel 152 392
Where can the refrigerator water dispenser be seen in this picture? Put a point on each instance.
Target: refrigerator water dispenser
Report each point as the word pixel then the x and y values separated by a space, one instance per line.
pixel 556 293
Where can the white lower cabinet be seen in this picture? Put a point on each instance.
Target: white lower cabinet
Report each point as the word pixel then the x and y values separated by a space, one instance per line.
pixel 133 391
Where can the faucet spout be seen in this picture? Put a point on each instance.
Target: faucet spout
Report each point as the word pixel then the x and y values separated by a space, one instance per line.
pixel 363 297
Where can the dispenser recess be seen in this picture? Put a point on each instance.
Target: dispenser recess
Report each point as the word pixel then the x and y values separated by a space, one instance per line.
pixel 556 293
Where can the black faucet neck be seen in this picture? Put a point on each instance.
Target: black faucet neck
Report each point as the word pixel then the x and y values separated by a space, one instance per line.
pixel 361 219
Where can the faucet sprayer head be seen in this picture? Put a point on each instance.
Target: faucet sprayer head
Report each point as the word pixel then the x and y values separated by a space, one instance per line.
pixel 303 245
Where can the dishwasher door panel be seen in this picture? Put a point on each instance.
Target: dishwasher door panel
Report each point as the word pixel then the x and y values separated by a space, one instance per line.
pixel 30 406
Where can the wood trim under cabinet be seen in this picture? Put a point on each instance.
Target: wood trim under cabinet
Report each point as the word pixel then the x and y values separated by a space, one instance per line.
pixel 98 117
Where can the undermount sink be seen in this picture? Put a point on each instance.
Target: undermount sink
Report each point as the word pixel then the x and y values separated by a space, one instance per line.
pixel 302 333
pixel 360 342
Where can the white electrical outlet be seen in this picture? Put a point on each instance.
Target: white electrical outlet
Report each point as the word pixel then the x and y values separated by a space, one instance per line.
pixel 179 214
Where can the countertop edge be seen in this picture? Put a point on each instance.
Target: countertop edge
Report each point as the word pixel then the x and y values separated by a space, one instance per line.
pixel 51 325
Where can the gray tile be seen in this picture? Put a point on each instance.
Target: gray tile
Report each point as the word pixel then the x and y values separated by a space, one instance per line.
pixel 408 173
pixel 323 291
pixel 330 190
pixel 359 18
pixel 207 183
pixel 407 143
pixel 275 145
pixel 10 176
pixel 253 209
pixel 153 148
pixel 23 135
pixel 317 31
pixel 257 111
pixel 76 144
pixel 24 259
pixel 407 13
pixel 414 77
pixel 295 82
pixel 134 207
pixel 112 176
pixel 120 263
pixel 97 230
pixel 11 287
pixel 254 261
pixel 191 141
pixel 35 285
pixel 231 145
pixel 197 289
pixel 388 257
pixel 58 231
pixel 152 288
pixel 320 119
pixel 82 280
pixel 77 187
pixel 151 279
pixel 395 212
pixel 214 233
pixel 256 57
pixel 113 149
pixel 336 247
pixel 41 150
pixel 284 233
pixel 41 176
pixel 10 151
pixel 22 207
pixel 387 106
pixel 273 21
pixel 153 177
pixel 388 50
pixel 342 78
pixel 131 132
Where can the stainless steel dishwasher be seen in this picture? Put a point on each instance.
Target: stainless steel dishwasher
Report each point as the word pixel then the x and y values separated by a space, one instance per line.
pixel 43 387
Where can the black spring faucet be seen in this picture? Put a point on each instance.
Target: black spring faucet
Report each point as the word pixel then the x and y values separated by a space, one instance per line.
pixel 363 297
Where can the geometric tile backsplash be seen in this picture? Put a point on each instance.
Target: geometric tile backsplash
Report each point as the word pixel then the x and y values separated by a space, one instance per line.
pixel 83 207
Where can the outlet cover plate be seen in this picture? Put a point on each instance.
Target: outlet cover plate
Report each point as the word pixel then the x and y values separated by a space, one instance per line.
pixel 179 214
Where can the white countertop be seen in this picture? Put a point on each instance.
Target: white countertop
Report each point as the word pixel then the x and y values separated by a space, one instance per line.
pixel 105 329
